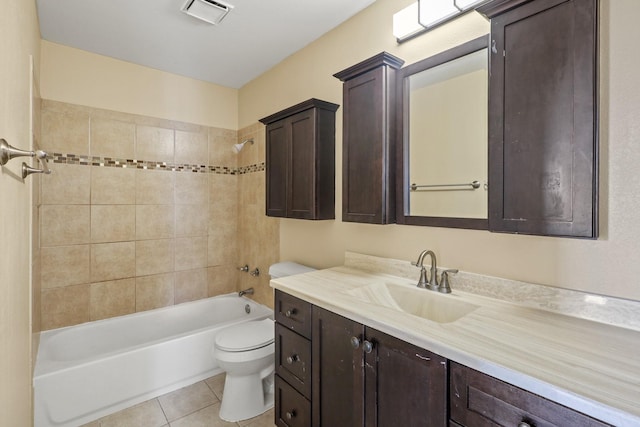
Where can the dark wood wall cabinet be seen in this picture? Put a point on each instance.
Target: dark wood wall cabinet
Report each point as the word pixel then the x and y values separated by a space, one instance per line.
pixel 543 93
pixel 300 161
pixel 368 142
pixel 335 372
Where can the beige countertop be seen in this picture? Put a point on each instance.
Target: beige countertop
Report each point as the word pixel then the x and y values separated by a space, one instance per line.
pixel 590 366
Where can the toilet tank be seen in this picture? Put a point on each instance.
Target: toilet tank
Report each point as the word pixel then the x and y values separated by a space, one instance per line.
pixel 288 268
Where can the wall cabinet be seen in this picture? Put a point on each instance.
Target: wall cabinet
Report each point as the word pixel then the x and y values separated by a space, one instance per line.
pixel 543 152
pixel 368 142
pixel 300 161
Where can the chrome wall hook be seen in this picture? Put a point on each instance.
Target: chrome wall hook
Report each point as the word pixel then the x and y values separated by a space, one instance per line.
pixel 28 170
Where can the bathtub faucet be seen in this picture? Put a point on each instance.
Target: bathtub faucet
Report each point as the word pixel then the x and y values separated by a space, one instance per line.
pixel 246 292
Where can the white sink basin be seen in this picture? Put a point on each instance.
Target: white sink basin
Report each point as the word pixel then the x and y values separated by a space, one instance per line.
pixel 419 302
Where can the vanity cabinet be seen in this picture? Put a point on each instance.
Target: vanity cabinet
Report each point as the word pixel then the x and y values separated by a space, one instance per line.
pixel 300 161
pixel 543 122
pixel 368 141
pixel 478 400
pixel 363 377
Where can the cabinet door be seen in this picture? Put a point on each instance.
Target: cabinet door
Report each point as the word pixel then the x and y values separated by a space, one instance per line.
pixel 301 196
pixel 338 386
pixel 543 118
pixel 405 385
pixel 276 169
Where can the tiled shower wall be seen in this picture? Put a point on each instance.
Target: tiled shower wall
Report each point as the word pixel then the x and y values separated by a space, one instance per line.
pixel 142 213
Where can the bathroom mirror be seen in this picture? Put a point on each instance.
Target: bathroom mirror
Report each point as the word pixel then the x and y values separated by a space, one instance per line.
pixel 442 163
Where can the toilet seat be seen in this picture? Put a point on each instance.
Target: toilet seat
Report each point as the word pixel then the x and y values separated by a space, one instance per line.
pixel 246 336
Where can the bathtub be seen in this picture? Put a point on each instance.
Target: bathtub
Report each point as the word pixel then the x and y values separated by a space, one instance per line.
pixel 87 371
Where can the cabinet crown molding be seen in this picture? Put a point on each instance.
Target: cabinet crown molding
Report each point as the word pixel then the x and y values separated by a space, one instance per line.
pixel 305 105
pixel 383 58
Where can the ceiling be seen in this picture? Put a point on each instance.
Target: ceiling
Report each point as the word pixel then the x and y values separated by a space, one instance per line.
pixel 252 38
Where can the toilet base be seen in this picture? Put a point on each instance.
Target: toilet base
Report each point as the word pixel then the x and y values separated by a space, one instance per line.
pixel 246 396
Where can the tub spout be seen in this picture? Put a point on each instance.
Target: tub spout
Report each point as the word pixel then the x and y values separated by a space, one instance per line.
pixel 246 292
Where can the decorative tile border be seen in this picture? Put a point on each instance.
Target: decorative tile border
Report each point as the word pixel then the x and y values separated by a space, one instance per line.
pixel 73 159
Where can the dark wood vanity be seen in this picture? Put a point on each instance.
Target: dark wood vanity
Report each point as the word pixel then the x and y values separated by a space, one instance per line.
pixel 332 371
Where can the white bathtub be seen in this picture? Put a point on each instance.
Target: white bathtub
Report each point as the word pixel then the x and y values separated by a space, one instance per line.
pixel 87 371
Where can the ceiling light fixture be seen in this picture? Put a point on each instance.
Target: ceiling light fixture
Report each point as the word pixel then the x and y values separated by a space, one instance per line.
pixel 425 15
pixel 211 11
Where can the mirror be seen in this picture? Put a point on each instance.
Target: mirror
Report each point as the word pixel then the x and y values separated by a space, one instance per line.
pixel 443 132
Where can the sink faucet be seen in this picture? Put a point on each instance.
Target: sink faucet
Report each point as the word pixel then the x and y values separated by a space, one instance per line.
pixel 433 275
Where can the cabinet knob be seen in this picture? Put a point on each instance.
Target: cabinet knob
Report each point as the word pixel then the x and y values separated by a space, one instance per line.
pixel 524 424
pixel 293 358
pixel 291 414
pixel 290 312
pixel 355 342
pixel 367 346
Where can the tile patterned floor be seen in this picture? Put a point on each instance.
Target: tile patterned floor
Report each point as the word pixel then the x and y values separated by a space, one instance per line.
pixel 196 405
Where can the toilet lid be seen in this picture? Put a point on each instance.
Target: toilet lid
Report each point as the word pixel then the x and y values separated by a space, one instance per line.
pixel 246 336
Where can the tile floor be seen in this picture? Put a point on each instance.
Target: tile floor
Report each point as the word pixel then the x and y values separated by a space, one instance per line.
pixel 196 405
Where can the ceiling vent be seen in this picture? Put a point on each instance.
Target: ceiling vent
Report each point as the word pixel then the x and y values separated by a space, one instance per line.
pixel 210 11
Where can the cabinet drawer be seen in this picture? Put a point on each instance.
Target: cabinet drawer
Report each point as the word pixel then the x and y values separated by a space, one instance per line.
pixel 291 408
pixel 293 359
pixel 479 400
pixel 293 313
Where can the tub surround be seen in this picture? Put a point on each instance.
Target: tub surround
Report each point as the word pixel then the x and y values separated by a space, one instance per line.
pixel 576 349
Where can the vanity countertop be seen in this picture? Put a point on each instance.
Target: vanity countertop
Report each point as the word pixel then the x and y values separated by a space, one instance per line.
pixel 589 366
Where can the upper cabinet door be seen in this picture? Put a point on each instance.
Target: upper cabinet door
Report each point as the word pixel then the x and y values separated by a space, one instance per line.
pixel 543 123
pixel 368 142
pixel 300 161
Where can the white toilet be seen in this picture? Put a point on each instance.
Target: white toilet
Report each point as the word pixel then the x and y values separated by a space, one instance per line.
pixel 246 352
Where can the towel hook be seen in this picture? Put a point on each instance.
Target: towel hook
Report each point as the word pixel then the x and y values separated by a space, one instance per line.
pixel 7 152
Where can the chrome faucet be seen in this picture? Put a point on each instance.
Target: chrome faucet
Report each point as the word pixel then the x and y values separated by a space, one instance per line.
pixel 433 272
pixel 246 292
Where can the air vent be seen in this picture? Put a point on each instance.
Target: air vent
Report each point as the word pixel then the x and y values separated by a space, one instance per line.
pixel 210 11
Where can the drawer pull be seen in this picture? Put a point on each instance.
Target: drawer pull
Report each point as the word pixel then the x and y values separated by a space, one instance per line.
pixel 293 358
pixel 291 414
pixel 290 312
pixel 355 342
pixel 367 346
pixel 524 424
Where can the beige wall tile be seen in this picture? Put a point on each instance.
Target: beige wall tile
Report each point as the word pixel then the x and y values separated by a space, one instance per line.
pixel 192 188
pixel 221 147
pixel 192 220
pixel 112 261
pixel 223 214
pixel 154 291
pixel 223 186
pixel 222 247
pixel 190 285
pixel 191 253
pixel 154 257
pixel 155 222
pixel 155 187
pixel 65 306
pixel 113 298
pixel 112 138
pixel 64 225
pixel 67 185
pixel 154 144
pixel 64 266
pixel 65 133
pixel 113 223
pixel 192 148
pixel 222 279
pixel 113 186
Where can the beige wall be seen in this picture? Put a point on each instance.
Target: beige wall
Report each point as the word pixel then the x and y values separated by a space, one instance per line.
pixel 20 38
pixel 156 232
pixel 606 266
pixel 78 77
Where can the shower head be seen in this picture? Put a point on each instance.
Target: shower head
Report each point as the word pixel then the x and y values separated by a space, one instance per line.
pixel 238 147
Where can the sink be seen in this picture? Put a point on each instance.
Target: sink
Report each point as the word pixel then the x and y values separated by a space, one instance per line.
pixel 419 302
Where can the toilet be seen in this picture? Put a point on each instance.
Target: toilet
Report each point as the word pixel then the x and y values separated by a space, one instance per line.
pixel 247 353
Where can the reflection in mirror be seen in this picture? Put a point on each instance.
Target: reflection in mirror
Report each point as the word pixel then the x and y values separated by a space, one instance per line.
pixel 444 133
